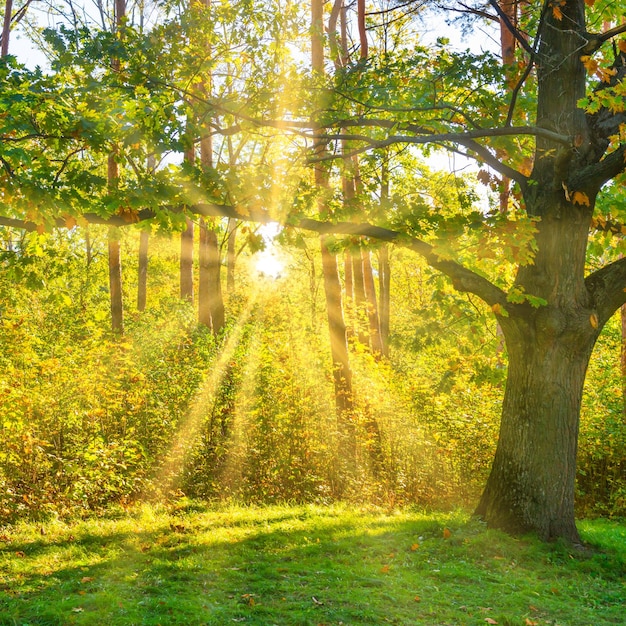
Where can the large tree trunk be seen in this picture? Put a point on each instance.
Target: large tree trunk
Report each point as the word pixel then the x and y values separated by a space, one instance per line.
pixel 531 486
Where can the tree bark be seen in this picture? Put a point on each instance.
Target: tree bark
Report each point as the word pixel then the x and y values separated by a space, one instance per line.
pixel 142 270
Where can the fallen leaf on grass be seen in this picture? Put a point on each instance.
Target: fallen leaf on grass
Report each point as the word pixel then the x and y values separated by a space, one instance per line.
pixel 316 601
pixel 86 579
pixel 77 609
pixel 415 546
pixel 384 569
pixel 530 622
pixel 446 533
pixel 417 599
pixel 490 621
pixel 20 554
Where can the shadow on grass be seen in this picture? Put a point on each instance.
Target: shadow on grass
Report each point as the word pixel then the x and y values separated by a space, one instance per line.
pixel 309 566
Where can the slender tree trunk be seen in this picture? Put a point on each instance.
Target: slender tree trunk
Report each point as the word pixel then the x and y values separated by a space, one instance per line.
pixel 384 286
pixel 372 305
pixel 6 28
pixel 115 259
pixel 360 303
pixel 332 287
pixel 231 255
pixel 349 291
pixel 211 309
pixel 115 280
pixel 142 270
pixel 215 282
pixel 204 303
pixel 186 262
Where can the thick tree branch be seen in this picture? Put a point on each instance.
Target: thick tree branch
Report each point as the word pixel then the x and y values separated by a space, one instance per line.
pixel 462 278
pixel 595 40
pixel 607 289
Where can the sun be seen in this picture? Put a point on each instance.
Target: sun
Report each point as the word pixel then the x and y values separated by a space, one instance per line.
pixel 268 265
pixel 269 262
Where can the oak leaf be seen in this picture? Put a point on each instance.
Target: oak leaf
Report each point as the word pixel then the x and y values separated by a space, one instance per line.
pixel 580 197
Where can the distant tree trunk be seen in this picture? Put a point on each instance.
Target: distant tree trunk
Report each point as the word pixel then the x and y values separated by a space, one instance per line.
pixel 384 269
pixel 186 262
pixel 362 29
pixel 332 287
pixel 360 303
pixel 349 291
pixel 115 259
pixel 211 306
pixel 372 305
pixel 215 282
pixel 231 255
pixel 204 303
pixel 6 28
pixel 384 286
pixel 142 270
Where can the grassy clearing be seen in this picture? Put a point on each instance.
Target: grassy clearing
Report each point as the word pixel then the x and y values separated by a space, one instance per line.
pixel 304 565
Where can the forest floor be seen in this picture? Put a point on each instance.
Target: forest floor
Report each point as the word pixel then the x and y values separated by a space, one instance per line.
pixel 289 565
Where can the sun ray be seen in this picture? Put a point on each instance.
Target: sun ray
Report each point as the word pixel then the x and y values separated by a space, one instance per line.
pixel 190 426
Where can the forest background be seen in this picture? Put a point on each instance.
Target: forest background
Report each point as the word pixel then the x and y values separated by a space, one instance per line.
pixel 159 384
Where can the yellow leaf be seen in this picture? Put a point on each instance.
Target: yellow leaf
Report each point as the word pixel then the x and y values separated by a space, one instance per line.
pixel 558 15
pixel 580 197
pixel 499 310
pixel 593 320
pixel 621 44
pixel 384 569
pixel 590 3
pixel 415 546
pixel 446 533
pixel 86 579
pixel 417 599
pixel 490 621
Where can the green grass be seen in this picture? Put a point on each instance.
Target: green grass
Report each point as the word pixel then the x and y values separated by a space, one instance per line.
pixel 305 565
